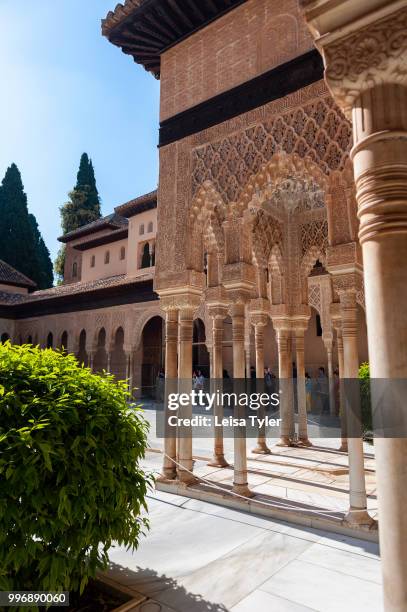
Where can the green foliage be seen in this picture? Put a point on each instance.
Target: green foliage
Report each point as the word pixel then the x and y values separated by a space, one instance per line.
pixel 44 277
pixel 21 244
pixel 70 481
pixel 366 404
pixel 59 264
pixel 77 212
pixel 82 208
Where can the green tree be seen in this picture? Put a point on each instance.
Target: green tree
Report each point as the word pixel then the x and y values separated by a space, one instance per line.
pixel 45 276
pixel 82 208
pixel 71 481
pixel 21 243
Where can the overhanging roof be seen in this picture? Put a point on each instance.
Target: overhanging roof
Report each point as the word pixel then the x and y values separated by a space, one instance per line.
pixel 148 201
pixel 146 28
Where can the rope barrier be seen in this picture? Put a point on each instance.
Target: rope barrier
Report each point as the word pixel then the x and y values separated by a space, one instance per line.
pixel 276 505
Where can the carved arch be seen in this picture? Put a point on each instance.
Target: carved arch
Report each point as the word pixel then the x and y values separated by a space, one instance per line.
pixel 262 186
pixel 142 320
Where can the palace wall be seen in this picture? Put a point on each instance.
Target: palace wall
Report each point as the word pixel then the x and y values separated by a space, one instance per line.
pixel 306 125
pixel 244 43
pixel 115 265
pixel 139 234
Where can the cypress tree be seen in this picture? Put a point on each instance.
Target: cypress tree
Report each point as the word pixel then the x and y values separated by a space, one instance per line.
pixel 17 244
pixel 45 276
pixel 82 208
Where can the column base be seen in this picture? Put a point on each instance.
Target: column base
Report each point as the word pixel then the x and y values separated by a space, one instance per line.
pixel 184 472
pixel 359 518
pixel 305 442
pixel 284 441
pixel 242 489
pixel 261 448
pixel 218 461
pixel 167 474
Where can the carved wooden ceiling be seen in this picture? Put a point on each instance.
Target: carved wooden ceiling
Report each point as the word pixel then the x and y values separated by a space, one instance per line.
pixel 146 28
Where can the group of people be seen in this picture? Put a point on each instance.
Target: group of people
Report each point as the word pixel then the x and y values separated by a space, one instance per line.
pixel 316 389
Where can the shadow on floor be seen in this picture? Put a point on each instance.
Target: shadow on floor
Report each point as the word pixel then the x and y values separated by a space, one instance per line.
pixel 162 590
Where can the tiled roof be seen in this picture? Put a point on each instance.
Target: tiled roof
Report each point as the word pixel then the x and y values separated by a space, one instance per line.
pixel 121 11
pixel 73 289
pixel 112 221
pixel 138 205
pixel 11 276
pixel 12 298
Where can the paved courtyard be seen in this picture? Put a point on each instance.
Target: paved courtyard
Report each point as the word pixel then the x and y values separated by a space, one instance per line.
pixel 201 557
pixel 317 477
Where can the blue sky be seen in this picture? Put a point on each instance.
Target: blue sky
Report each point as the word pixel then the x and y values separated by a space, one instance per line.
pixel 65 90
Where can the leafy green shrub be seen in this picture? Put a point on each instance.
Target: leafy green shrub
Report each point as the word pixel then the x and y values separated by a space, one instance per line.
pixel 70 483
pixel 366 404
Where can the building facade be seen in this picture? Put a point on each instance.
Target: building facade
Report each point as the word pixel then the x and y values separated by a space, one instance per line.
pixel 281 220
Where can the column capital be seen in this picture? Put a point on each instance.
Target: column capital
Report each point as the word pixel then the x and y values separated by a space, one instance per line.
pixel 362 43
pixel 218 311
pixel 182 298
pixel 345 284
pixel 259 313
pixel 217 297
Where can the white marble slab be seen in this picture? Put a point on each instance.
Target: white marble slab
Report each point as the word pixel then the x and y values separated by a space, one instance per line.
pixel 323 589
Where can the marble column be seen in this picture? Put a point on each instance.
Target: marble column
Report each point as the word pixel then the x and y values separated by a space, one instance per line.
pixel 357 514
pixel 185 386
pixel 171 373
pixel 369 43
pixel 285 380
pixel 259 323
pixel 342 410
pixel 217 315
pixel 301 394
pixel 240 484
pixel 328 342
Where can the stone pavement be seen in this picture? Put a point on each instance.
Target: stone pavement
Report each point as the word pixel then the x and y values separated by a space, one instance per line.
pixel 200 557
pixel 316 477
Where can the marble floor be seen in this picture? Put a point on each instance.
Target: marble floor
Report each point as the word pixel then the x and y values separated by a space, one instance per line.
pixel 200 557
pixel 313 478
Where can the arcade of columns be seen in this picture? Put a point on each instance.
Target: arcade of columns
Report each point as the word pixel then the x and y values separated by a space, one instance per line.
pixel 257 254
pixel 364 47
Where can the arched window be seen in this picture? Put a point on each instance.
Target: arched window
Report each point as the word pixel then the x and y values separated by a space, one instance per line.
pixel 122 253
pixel 141 229
pixel 107 257
pixel 74 269
pixel 150 227
pixel 92 261
pixel 50 340
pixel 145 256
pixel 153 256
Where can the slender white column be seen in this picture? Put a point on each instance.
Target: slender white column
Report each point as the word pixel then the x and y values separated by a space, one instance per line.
pixel 328 341
pixel 185 385
pixel 285 374
pixel 240 484
pixel 259 322
pixel 302 403
pixel 217 315
pixel 357 489
pixel 171 373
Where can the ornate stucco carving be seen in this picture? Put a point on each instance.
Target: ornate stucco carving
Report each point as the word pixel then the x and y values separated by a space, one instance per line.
pixel 373 55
